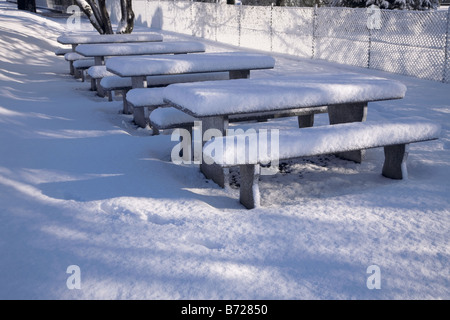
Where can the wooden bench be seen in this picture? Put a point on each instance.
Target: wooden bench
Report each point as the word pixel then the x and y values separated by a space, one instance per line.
pixel 393 136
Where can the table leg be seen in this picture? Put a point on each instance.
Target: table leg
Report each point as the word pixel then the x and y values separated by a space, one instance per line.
pixel 100 91
pixel 72 69
pixel 239 74
pixel 306 121
pixel 344 113
pixel 99 61
pixel 394 166
pixel 214 171
pixel 136 82
pixel 140 117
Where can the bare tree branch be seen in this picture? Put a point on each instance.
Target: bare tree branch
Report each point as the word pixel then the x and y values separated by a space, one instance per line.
pixel 97 13
pixel 87 9
pixel 105 16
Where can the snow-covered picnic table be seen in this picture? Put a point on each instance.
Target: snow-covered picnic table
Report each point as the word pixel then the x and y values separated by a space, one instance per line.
pixel 346 94
pixel 78 61
pixel 102 50
pixel 238 64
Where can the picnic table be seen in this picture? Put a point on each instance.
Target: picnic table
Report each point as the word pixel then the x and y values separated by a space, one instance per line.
pixel 100 51
pixel 140 68
pixel 238 64
pixel 346 94
pixel 78 63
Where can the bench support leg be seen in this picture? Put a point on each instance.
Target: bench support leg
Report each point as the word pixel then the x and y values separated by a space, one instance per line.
pixel 93 84
pixel 214 171
pixel 77 73
pixel 100 91
pixel 344 113
pixel 136 82
pixel 249 189
pixel 71 68
pixel 395 162
pixel 127 109
pixel 140 116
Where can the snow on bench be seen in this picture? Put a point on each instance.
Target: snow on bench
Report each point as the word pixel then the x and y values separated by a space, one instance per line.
pixel 140 48
pixel 96 74
pixel 75 39
pixel 171 118
pixel 62 51
pixel 234 62
pixel 80 66
pixel 78 63
pixel 295 143
pixel 124 84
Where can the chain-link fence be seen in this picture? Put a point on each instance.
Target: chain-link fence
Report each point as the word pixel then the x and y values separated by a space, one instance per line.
pixel 413 43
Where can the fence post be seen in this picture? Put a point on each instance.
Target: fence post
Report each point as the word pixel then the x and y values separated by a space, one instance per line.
pixel 271 27
pixel 446 76
pixel 239 25
pixel 314 32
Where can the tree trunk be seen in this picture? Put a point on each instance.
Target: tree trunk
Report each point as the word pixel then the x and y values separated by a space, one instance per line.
pixel 98 15
pixel 126 23
pixel 105 17
pixel 89 12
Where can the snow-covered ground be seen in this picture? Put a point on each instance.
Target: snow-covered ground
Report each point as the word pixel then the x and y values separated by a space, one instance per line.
pixel 81 185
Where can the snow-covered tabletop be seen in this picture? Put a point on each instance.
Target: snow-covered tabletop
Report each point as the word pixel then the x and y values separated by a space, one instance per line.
pixel 193 63
pixel 222 98
pixel 139 48
pixel 75 39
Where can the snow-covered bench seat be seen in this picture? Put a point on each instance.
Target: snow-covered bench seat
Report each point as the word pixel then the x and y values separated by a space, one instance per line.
pixel 80 66
pixel 295 143
pixel 171 118
pixel 62 51
pixel 96 74
pixel 78 63
pixel 143 99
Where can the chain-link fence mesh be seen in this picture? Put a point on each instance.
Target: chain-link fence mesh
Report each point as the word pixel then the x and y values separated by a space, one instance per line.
pixel 342 36
pixel 410 43
pixel 413 43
